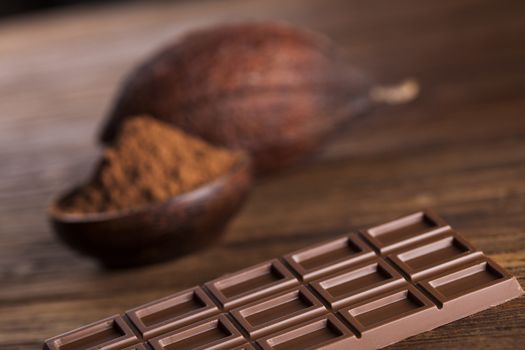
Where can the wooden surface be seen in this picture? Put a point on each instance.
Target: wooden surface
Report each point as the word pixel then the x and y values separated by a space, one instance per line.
pixel 460 149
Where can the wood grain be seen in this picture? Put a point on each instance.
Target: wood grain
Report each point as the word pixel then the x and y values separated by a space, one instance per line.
pixel 460 149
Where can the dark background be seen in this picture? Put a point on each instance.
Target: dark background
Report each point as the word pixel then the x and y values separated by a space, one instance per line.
pixel 10 8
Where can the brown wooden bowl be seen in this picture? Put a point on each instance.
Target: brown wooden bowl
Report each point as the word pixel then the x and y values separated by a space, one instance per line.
pixel 157 232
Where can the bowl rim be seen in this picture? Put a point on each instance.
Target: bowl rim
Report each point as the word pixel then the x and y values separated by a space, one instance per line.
pixel 58 215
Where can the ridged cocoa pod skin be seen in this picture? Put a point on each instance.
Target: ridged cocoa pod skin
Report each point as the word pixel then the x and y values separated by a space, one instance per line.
pixel 271 89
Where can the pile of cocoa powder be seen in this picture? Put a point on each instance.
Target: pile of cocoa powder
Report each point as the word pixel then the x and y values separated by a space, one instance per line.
pixel 149 162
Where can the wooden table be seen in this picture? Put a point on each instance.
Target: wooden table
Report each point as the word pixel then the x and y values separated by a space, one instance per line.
pixel 460 148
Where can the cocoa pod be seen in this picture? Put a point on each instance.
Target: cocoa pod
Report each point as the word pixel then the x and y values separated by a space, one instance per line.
pixel 271 89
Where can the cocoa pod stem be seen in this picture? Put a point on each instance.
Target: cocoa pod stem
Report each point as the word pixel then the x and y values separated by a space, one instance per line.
pixel 404 92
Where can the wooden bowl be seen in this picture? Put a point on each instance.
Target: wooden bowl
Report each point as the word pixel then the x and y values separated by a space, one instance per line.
pixel 156 232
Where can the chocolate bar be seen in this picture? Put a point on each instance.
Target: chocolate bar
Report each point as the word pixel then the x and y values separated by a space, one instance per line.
pixel 364 290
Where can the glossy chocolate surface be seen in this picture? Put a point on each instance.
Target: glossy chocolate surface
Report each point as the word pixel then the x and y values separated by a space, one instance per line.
pixel 363 290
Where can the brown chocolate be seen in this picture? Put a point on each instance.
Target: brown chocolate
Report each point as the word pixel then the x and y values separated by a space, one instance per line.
pixel 172 312
pixel 277 312
pixel 217 333
pixel 111 333
pixel 405 231
pixel 364 290
pixel 317 261
pixel 325 332
pixel 140 346
pixel 251 283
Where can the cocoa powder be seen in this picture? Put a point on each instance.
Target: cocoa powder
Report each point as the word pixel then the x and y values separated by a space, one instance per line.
pixel 149 162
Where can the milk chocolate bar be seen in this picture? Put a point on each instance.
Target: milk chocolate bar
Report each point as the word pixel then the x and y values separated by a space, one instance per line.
pixel 364 290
